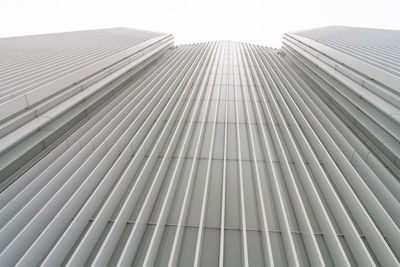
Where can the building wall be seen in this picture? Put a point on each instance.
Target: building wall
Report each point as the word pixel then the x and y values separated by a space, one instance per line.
pixel 220 153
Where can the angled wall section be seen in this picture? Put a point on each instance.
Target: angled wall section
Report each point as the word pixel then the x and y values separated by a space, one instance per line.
pixel 211 154
pixel 57 79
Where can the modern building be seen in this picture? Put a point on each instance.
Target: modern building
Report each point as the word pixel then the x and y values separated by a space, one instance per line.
pixel 118 147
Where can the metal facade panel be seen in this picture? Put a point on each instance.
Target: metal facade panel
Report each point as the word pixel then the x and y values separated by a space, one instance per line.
pixel 220 153
pixel 36 67
pixel 376 47
pixel 372 52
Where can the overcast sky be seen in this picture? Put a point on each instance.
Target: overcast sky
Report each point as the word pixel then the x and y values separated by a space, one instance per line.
pixel 254 21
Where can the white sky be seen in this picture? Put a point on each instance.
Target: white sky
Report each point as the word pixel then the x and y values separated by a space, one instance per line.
pixel 254 21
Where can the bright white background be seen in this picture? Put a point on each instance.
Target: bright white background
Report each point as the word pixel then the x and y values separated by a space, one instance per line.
pixel 255 21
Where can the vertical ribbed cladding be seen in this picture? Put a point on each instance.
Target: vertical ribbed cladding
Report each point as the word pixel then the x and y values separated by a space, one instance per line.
pixel 38 67
pixel 366 114
pixel 358 115
pixel 31 61
pixel 219 153
pixel 364 94
pixel 379 48
pixel 29 133
pixel 114 150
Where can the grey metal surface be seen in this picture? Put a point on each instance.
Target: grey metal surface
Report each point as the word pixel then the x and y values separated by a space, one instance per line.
pixel 36 67
pixel 373 52
pixel 370 109
pixel 220 153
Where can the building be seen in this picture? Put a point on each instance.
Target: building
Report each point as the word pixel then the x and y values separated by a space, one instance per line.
pixel 118 147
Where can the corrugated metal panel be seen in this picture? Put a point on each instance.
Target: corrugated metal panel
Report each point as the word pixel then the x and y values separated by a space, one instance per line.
pixel 370 109
pixel 372 52
pixel 36 67
pixel 379 48
pixel 219 153
pixel 56 104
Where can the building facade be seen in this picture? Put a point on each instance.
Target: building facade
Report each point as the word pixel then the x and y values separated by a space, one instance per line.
pixel 118 147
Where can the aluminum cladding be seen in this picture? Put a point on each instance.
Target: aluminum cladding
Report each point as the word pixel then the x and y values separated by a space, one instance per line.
pixel 219 153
